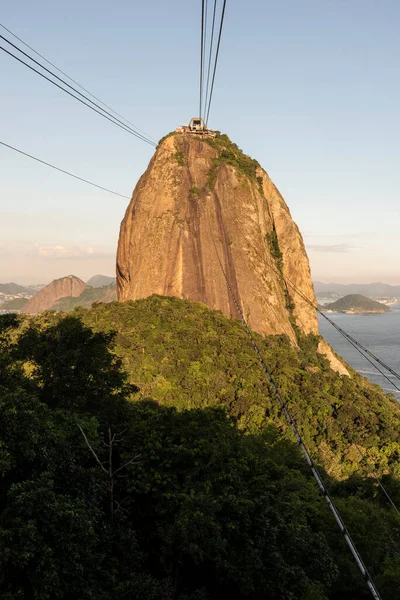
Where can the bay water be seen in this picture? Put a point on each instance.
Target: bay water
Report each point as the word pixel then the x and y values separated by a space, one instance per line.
pixel 379 333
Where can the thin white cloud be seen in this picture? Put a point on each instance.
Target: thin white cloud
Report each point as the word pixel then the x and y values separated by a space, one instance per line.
pixel 330 247
pixel 350 235
pixel 67 252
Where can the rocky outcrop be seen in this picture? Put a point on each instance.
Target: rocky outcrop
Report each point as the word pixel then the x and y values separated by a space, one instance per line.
pixel 204 215
pixel 70 286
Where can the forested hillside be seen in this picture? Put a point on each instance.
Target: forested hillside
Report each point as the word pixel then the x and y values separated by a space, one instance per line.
pixel 185 355
pixel 143 456
pixel 356 303
pixel 104 293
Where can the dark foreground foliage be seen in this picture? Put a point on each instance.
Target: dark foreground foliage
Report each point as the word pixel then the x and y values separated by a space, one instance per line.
pixel 193 503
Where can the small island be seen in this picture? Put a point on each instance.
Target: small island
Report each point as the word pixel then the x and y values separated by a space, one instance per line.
pixel 353 304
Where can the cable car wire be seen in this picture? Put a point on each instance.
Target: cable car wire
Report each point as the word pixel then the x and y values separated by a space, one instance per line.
pixel 352 341
pixel 345 430
pixel 360 351
pixel 211 47
pixel 364 459
pixel 216 61
pixel 76 82
pixel 355 343
pixel 75 90
pixel 352 547
pixel 361 453
pixel 201 56
pixel 204 54
pixel 145 139
pixel 359 345
pixel 124 127
pixel 63 171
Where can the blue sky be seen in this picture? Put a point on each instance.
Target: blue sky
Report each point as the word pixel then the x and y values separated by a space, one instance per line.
pixel 310 89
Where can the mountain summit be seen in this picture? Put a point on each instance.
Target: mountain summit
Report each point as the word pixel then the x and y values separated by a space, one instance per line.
pixel 70 286
pixel 203 211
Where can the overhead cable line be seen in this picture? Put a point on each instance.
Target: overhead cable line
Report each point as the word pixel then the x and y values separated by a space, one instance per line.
pixel 105 114
pixel 363 456
pixel 360 351
pixel 359 345
pixel 204 55
pixel 355 343
pixel 345 429
pixel 144 138
pixel 364 459
pixel 201 58
pixel 110 117
pixel 351 545
pixel 75 82
pixel 211 48
pixel 215 63
pixel 43 162
pixel 336 414
pixel 74 89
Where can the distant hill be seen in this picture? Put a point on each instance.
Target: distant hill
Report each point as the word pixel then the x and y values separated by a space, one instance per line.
pixel 106 293
pixel 14 288
pixel 16 304
pixel 59 288
pixel 64 294
pixel 356 303
pixel 100 280
pixel 374 290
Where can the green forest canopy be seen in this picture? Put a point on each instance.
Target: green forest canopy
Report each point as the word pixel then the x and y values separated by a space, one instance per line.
pixel 210 495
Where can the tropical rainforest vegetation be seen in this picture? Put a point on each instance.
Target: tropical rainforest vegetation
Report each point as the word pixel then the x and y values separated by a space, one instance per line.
pixel 143 455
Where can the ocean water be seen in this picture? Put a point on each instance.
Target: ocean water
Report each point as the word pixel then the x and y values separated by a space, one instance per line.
pixel 379 333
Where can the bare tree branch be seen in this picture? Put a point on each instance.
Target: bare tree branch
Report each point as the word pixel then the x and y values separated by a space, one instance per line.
pixel 133 461
pixel 119 507
pixel 112 441
pixel 91 449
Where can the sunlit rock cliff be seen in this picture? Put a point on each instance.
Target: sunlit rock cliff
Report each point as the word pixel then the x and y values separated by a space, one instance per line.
pixel 202 211
pixel 69 286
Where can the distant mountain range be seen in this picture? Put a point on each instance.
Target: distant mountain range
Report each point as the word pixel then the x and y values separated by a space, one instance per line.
pixel 14 289
pixel 373 290
pixel 107 293
pixel 61 294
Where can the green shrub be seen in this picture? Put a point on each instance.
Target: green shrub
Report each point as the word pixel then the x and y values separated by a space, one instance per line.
pixel 273 245
pixel 230 154
pixel 165 137
pixel 180 158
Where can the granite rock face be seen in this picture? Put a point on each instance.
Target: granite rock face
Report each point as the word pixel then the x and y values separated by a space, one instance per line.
pixel 202 216
pixel 69 286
